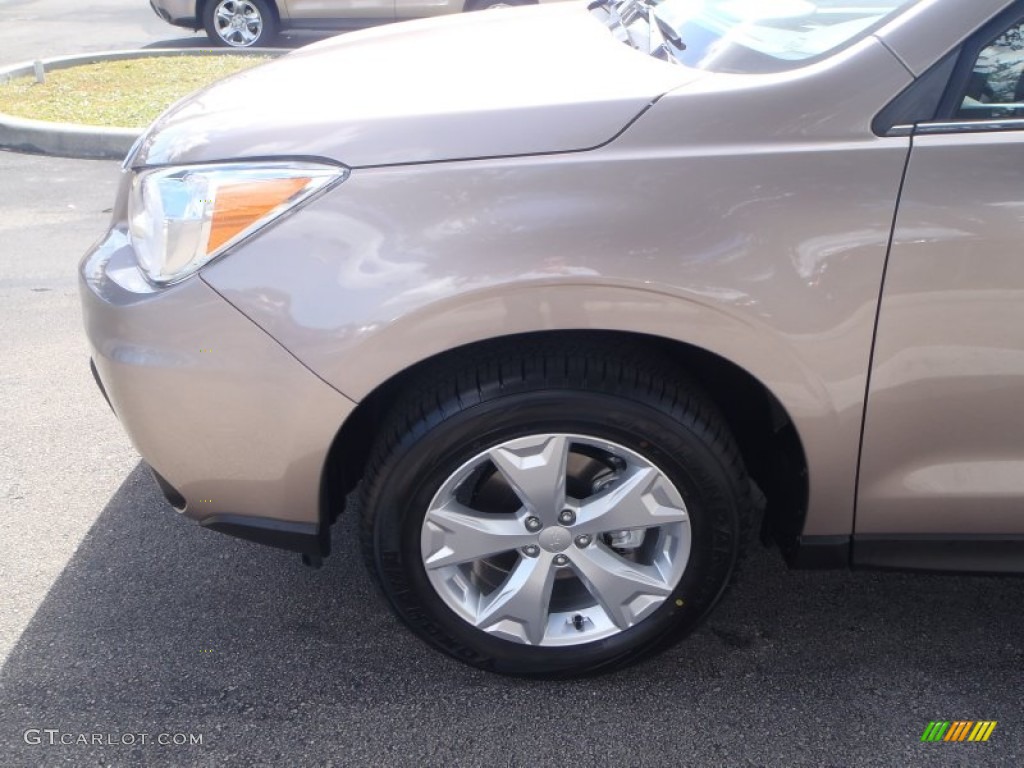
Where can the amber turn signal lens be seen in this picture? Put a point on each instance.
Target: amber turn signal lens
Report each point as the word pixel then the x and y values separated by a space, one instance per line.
pixel 240 205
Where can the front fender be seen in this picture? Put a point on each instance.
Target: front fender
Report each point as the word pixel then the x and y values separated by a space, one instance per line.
pixel 399 264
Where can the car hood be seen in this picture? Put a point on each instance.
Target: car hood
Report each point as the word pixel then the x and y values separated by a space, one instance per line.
pixel 506 82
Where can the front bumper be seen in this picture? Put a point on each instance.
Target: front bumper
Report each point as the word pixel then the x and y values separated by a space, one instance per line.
pixel 226 417
pixel 180 13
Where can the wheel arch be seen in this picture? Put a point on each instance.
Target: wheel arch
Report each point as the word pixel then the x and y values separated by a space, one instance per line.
pixel 768 438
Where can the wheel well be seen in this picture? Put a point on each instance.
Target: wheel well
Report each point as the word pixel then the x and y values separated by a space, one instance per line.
pixel 767 438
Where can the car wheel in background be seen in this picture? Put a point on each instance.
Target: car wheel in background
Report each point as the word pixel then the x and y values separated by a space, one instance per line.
pixel 240 23
pixel 556 512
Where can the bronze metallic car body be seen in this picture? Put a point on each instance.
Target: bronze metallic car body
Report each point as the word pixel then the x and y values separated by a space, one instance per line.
pixel 831 249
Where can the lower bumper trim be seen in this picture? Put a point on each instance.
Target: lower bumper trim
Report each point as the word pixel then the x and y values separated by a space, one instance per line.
pixel 820 553
pixel 173 496
pixel 295 537
pixel 99 382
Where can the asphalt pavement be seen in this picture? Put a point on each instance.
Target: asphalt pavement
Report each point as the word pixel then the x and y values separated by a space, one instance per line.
pixel 122 622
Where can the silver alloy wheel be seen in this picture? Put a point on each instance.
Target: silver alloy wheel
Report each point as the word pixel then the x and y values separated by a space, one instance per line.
pixel 619 556
pixel 239 23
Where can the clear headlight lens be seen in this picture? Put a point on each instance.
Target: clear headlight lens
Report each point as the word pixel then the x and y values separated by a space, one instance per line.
pixel 181 218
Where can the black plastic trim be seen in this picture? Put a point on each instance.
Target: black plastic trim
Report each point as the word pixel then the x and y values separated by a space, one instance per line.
pixel 99 383
pixel 980 554
pixel 919 102
pixel 172 494
pixel 820 553
pixel 296 537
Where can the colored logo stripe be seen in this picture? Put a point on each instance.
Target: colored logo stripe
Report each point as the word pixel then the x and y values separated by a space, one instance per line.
pixel 958 730
pixel 982 731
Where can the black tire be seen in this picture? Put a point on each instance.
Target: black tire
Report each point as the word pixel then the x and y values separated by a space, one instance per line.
pixel 610 391
pixel 268 30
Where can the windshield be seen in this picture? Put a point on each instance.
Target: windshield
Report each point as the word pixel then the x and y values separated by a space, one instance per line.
pixel 759 36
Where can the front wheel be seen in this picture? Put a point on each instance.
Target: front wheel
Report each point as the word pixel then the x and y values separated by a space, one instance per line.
pixel 240 23
pixel 555 513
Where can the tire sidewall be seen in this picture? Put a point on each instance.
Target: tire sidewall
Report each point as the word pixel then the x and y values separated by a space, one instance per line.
pixel 422 462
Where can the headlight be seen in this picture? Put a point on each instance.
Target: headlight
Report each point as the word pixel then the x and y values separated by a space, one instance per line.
pixel 181 218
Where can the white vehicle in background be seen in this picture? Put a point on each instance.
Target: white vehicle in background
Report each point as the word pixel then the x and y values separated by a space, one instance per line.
pixel 249 23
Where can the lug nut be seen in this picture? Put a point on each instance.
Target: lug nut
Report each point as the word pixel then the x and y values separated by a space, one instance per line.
pixel 567 517
pixel 583 541
pixel 533 523
pixel 561 560
pixel 531 550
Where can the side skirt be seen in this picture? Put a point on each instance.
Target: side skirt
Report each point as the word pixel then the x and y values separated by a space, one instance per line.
pixel 938 553
pixel 982 554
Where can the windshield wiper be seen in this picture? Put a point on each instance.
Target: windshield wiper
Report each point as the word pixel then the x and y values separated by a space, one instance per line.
pixel 637 23
pixel 666 30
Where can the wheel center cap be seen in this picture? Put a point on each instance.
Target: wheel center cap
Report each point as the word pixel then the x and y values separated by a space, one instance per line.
pixel 555 539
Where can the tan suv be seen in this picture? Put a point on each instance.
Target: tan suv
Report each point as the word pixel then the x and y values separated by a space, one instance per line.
pixel 639 285
pixel 249 23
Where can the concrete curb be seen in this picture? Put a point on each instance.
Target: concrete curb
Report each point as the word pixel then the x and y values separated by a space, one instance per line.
pixel 88 141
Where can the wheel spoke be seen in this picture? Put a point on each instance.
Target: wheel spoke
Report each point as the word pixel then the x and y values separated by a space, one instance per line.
pixel 624 589
pixel 247 34
pixel 496 570
pixel 518 609
pixel 224 15
pixel 642 499
pixel 455 534
pixel 535 467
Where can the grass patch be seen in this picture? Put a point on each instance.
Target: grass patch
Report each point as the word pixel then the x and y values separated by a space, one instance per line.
pixel 117 94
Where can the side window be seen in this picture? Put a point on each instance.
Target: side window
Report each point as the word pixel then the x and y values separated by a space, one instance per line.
pixel 995 89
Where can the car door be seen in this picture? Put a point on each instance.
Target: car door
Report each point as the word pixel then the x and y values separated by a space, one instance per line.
pixel 326 13
pixel 941 481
